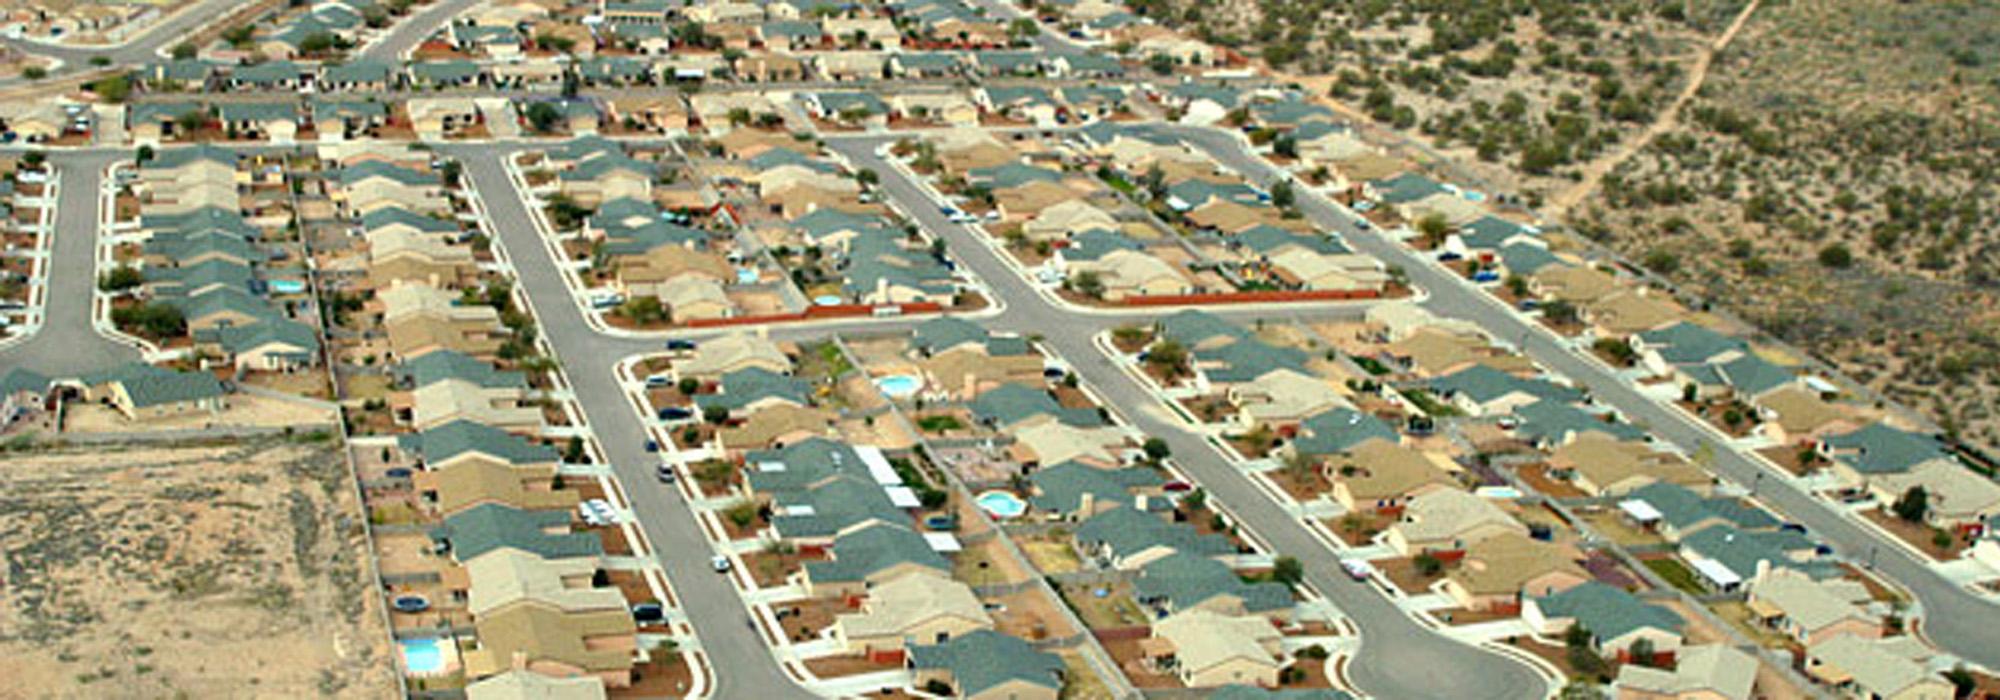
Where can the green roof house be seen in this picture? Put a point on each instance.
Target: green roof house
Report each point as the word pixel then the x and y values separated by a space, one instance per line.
pixel 988 665
pixel 490 526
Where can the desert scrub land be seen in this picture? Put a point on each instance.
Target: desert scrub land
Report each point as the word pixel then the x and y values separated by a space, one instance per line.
pixel 1522 92
pixel 224 570
pixel 1833 183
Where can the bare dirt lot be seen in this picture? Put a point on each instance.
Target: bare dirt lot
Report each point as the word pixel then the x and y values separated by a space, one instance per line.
pixel 222 570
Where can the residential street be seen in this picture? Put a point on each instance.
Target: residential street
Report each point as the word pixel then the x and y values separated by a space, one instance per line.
pixel 1955 619
pixel 744 663
pixel 140 49
pixel 1390 639
pixel 68 344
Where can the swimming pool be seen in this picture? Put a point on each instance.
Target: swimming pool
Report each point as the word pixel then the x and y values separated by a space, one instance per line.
pixel 288 286
pixel 1001 504
pixel 422 656
pixel 899 385
pixel 827 299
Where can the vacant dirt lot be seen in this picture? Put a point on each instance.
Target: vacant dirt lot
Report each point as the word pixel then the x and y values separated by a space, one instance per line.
pixel 226 570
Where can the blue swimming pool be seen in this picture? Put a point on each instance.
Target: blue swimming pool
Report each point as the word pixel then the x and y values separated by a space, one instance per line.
pixel 422 656
pixel 827 299
pixel 899 385
pixel 1001 504
pixel 288 286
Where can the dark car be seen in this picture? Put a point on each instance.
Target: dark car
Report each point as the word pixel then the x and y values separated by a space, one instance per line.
pixel 675 413
pixel 652 446
pixel 680 344
pixel 648 612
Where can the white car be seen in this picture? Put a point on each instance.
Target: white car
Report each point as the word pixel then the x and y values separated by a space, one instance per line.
pixel 1357 569
pixel 597 512
pixel 719 563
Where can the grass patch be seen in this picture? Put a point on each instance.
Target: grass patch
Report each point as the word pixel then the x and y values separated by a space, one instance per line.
pixel 1677 574
pixel 939 424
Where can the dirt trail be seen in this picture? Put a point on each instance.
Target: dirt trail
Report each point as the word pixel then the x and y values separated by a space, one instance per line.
pixel 1559 205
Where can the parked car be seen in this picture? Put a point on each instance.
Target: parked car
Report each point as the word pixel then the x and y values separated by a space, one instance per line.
pixel 666 473
pixel 674 413
pixel 719 563
pixel 648 612
pixel 1357 569
pixel 652 446
pixel 659 380
pixel 680 345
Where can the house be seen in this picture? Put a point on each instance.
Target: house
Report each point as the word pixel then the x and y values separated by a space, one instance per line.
pixel 403 254
pixel 450 386
pixel 144 392
pixel 1796 415
pixel 529 685
pixel 441 117
pixel 1675 511
pixel 1283 397
pixel 1055 442
pixel 944 108
pixel 336 120
pixel 1066 218
pixel 1599 464
pixel 1449 519
pixel 1337 431
pixel 486 527
pixel 1306 269
pixel 420 319
pixel 925 65
pixel 775 427
pixel 270 345
pixel 1015 405
pixel 1128 539
pixel 362 75
pixel 507 577
pixel 1210 649
pixel 851 66
pixel 1547 424
pixel 555 642
pixel 1615 619
pixel 1077 491
pixel 733 352
pixel 920 606
pixel 655 113
pixel 988 665
pixel 468 484
pixel 753 388
pixel 1480 390
pixel 1702 672
pixel 466 442
pixel 1377 474
pixel 870 553
pixel 1498 571
pixel 1877 449
pixel 1877 669
pixel 1958 498
pixel 1811 611
pixel 1187 580
pixel 276 121
pixel 1725 557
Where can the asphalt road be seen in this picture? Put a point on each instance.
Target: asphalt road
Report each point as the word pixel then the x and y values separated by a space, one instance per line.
pixel 140 49
pixel 744 664
pixel 1954 619
pixel 67 344
pixel 412 30
pixel 1398 658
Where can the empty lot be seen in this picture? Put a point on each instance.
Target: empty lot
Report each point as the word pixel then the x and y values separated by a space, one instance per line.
pixel 227 570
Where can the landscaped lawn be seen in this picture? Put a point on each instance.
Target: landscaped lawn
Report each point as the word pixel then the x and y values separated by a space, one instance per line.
pixel 939 424
pixel 1050 557
pixel 1677 574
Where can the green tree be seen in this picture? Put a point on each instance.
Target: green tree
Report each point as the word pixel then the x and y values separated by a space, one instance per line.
pixel 1433 227
pixel 1428 565
pixel 114 89
pixel 544 117
pixel 1157 449
pixel 715 415
pixel 644 310
pixel 1913 505
pixel 184 51
pixel 143 156
pixel 1287 570
pixel 1088 283
pixel 120 278
pixel 689 385
pixel 318 43
pixel 1282 195
pixel 1836 256
pixel 239 36
pixel 34 72
pixel 1167 357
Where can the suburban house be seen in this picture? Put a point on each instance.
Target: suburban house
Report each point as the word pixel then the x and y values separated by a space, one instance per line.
pixel 920 606
pixel 1207 649
pixel 1616 620
pixel 1702 672
pixel 1447 519
pixel 1811 611
pixel 1889 669
pixel 988 665
pixel 1497 572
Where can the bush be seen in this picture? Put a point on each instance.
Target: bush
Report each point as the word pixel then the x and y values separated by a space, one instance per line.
pixel 120 278
pixel 1836 257
pixel 152 320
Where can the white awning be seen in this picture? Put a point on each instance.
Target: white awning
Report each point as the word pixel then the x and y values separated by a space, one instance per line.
pixel 903 497
pixel 878 465
pixel 942 542
pixel 1716 573
pixel 1639 510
